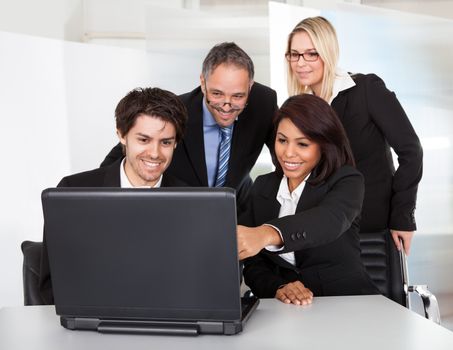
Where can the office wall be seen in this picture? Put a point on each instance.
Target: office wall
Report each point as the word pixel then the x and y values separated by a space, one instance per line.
pixel 59 19
pixel 57 103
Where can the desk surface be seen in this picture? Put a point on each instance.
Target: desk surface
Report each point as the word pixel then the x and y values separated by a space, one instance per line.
pixel 356 322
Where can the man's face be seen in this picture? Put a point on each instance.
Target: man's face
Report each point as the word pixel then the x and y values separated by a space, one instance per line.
pixel 226 91
pixel 149 148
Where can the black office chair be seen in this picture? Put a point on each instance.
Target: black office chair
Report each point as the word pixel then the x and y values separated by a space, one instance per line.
pixel 387 267
pixel 30 272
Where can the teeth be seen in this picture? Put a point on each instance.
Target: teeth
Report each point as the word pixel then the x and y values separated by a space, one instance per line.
pixel 292 165
pixel 151 164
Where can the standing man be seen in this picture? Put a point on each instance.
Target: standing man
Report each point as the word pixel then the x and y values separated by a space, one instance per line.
pixel 230 119
pixel 150 123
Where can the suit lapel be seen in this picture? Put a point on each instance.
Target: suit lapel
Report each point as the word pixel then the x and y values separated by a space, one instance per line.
pixel 339 104
pixel 112 174
pixel 194 139
pixel 309 198
pixel 236 152
pixel 268 207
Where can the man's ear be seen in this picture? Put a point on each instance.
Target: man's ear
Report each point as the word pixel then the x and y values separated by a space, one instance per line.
pixel 202 84
pixel 120 137
pixel 251 84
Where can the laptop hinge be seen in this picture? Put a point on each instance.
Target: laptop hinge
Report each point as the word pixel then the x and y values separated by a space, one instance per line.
pixel 130 327
pixel 149 329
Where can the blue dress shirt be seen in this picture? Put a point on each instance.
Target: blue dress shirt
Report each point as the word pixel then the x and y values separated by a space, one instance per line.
pixel 212 138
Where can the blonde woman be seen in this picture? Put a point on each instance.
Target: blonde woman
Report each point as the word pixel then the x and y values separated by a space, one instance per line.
pixel 374 122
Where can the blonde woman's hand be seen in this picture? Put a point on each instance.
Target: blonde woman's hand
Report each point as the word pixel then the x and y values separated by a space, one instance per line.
pixel 405 236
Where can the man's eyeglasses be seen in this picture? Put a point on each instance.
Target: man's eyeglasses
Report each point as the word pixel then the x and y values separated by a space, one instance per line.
pixel 217 101
pixel 309 56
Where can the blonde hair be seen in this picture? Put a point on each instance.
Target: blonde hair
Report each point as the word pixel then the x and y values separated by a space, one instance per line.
pixel 324 38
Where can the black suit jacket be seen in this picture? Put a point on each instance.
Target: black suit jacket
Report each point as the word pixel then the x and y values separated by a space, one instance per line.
pixel 323 234
pixel 252 130
pixel 375 121
pixel 108 176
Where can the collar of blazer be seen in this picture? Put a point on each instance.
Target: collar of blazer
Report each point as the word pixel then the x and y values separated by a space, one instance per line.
pixel 193 138
pixel 340 101
pixel 310 195
pixel 112 174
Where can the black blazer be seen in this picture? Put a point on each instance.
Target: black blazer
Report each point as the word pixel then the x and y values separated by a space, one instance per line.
pixel 375 121
pixel 323 234
pixel 252 130
pixel 108 176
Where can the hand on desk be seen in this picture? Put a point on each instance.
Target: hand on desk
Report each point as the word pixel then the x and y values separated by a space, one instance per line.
pixel 294 293
pixel 252 239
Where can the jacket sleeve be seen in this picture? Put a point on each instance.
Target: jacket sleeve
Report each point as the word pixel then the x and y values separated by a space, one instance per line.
pixel 389 116
pixel 260 276
pixel 330 218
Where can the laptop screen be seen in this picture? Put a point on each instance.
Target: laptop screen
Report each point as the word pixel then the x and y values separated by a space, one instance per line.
pixel 167 253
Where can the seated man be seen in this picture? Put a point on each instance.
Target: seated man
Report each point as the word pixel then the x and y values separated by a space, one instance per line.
pixel 149 123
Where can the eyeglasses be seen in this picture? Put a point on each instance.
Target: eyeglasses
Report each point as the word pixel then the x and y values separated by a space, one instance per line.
pixel 309 56
pixel 217 101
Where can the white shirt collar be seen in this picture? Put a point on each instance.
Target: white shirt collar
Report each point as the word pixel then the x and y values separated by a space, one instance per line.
pixel 124 180
pixel 284 193
pixel 343 81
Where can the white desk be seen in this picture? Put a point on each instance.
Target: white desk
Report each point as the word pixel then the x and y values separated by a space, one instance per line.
pixel 360 322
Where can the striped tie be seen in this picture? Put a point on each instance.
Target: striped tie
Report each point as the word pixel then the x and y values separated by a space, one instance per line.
pixel 224 156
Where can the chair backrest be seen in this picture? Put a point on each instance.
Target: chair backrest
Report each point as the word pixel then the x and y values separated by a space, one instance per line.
pixel 30 271
pixel 383 263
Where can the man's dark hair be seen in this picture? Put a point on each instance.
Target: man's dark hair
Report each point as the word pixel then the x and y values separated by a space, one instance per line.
pixel 228 53
pixel 319 123
pixel 153 102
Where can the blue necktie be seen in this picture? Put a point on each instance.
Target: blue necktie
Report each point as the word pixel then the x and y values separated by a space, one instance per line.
pixel 224 156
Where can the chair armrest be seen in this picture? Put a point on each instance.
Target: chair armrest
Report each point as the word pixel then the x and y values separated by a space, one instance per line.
pixel 31 271
pixel 430 305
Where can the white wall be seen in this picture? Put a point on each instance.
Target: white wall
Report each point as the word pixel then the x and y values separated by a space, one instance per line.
pixel 59 19
pixel 57 103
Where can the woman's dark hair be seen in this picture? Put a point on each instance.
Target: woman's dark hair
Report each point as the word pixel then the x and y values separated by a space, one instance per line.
pixel 319 123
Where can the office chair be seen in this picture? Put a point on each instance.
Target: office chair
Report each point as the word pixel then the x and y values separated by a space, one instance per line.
pixel 30 272
pixel 387 268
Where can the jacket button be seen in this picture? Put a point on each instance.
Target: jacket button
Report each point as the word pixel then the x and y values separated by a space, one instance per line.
pixel 298 235
pixel 304 234
pixel 293 236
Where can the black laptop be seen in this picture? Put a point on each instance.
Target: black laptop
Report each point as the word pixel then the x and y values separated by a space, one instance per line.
pixel 151 261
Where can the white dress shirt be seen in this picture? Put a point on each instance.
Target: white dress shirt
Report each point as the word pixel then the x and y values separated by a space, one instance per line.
pixel 124 180
pixel 288 204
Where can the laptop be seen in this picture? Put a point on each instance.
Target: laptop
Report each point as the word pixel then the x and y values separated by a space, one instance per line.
pixel 148 261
